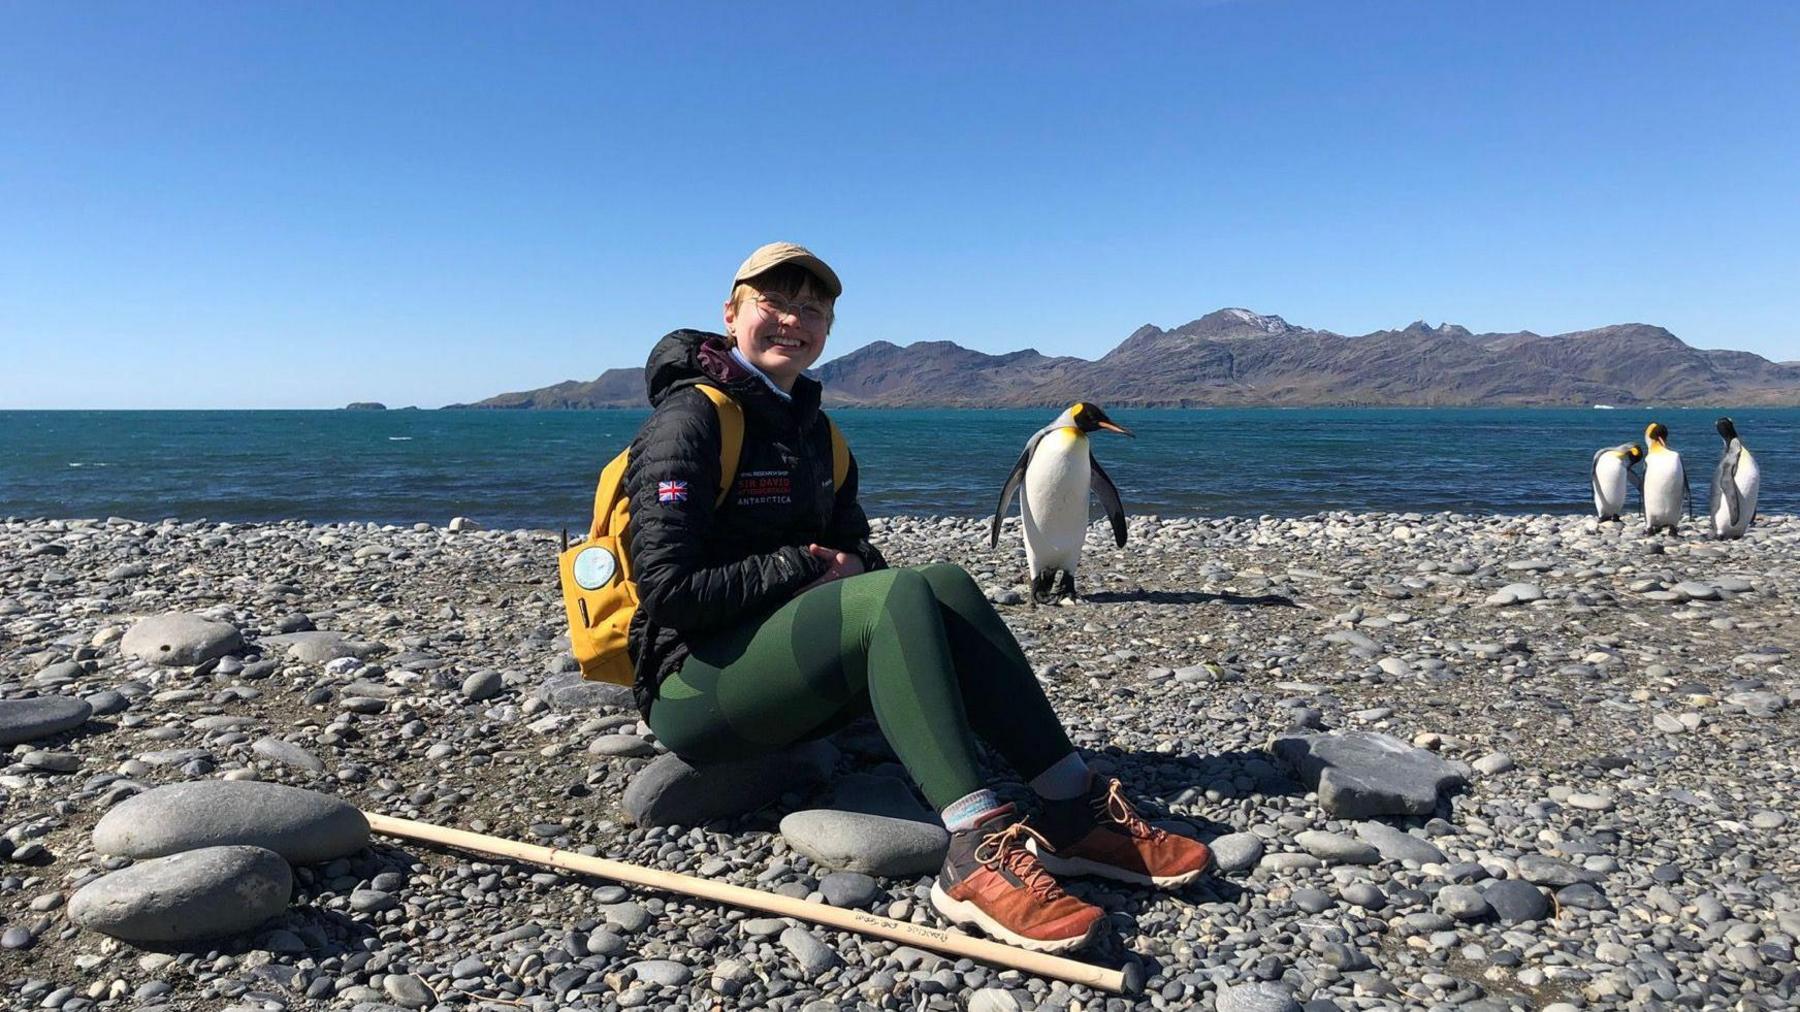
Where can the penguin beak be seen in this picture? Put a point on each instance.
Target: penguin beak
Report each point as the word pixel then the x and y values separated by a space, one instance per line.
pixel 1112 426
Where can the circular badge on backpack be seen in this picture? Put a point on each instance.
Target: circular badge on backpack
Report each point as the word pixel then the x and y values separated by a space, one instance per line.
pixel 594 568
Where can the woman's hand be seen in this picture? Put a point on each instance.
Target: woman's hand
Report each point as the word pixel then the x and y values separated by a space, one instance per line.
pixel 842 564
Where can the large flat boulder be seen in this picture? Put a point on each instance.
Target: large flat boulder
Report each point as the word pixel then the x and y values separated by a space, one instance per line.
pixel 212 892
pixel 305 827
pixel 871 844
pixel 179 639
pixel 23 720
pixel 1361 774
pixel 669 791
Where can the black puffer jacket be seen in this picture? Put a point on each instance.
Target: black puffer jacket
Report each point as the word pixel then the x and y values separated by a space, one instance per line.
pixel 699 570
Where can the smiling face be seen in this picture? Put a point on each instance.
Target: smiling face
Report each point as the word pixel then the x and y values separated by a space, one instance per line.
pixel 779 321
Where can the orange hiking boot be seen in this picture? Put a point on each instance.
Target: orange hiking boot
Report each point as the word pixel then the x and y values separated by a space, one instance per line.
pixel 990 879
pixel 1100 833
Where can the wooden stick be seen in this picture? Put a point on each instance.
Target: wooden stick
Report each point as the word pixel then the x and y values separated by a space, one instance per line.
pixel 955 943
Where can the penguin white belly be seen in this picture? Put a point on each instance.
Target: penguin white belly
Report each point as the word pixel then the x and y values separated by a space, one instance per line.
pixel 1748 482
pixel 1610 483
pixel 1055 506
pixel 1663 489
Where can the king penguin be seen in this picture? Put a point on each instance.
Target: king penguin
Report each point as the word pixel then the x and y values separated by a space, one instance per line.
pixel 1611 472
pixel 1057 469
pixel 1734 486
pixel 1665 483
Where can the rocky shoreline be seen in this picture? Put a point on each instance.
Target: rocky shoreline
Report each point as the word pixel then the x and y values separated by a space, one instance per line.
pixel 1620 711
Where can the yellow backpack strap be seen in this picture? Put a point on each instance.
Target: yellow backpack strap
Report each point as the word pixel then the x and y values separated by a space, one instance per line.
pixel 731 437
pixel 607 494
pixel 840 457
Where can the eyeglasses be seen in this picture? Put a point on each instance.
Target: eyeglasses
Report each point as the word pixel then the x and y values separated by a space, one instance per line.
pixel 812 314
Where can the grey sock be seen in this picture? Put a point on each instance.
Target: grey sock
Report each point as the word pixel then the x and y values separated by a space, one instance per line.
pixel 968 809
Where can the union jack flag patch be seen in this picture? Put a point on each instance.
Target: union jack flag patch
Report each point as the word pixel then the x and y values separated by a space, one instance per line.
pixel 671 491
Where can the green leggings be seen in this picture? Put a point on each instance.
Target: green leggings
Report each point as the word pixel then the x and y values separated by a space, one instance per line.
pixel 921 648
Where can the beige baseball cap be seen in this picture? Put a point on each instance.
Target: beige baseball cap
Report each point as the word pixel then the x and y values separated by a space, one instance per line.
pixel 777 253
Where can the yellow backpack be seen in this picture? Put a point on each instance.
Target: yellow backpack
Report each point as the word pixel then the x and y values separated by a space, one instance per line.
pixel 599 593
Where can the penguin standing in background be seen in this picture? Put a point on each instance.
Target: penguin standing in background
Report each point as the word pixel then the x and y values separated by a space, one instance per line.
pixel 1665 483
pixel 1611 472
pixel 1735 483
pixel 1057 470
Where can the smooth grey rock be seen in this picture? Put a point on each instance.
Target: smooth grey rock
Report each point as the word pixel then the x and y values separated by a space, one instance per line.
pixel 107 702
pixel 23 720
pixel 1258 997
pixel 407 990
pixel 1237 851
pixel 1396 845
pixel 1312 900
pixel 1582 896
pixel 661 972
pixel 371 901
pixel 1516 900
pixel 628 746
pixel 848 889
pixel 1364 894
pixel 206 893
pixel 60 672
pixel 321 646
pixel 1539 869
pixel 1599 801
pixel 872 844
pixel 814 956
pixel 468 968
pixel 1360 774
pixel 669 791
pixel 178 639
pixel 482 686
pixel 302 826
pixel 52 762
pixel 1516 593
pixel 1336 847
pixel 1463 902
pixel 288 753
pixel 1493 763
pixel 993 999
pixel 567 690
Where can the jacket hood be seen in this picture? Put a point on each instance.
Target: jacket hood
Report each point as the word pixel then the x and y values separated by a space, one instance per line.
pixel 684 358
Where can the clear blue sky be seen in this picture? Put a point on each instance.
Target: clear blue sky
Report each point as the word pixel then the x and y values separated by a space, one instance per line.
pixel 303 204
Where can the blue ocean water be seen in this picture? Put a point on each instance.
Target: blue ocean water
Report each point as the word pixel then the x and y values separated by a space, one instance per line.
pixel 537 468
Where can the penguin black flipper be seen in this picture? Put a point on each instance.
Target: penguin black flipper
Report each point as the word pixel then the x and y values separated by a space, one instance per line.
pixel 1109 498
pixel 1637 480
pixel 1724 487
pixel 1594 471
pixel 1011 487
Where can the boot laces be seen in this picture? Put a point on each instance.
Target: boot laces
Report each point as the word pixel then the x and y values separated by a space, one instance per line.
pixel 1114 807
pixel 1006 849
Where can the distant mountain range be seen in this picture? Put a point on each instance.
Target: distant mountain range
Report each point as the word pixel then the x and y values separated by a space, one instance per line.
pixel 1239 358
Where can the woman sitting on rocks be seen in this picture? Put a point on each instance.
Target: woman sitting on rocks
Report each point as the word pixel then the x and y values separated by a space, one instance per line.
pixel 771 620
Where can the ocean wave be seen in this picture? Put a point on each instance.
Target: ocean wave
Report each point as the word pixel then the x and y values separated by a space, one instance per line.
pixel 399 439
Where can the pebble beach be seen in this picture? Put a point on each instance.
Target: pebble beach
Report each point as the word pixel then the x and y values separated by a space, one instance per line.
pixel 1604 723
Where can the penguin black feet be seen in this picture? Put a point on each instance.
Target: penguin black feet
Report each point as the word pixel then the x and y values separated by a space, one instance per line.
pixel 1053 586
